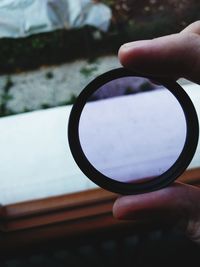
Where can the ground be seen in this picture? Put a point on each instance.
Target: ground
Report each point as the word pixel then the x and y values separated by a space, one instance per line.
pixel 50 86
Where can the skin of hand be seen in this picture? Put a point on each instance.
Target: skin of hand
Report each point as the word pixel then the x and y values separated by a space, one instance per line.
pixel 175 56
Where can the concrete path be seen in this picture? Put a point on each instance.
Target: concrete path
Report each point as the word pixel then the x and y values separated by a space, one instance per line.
pixel 51 86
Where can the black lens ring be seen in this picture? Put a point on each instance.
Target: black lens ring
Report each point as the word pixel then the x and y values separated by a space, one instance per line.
pixel 181 164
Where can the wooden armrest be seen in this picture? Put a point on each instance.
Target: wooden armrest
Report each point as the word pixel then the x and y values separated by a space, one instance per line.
pixel 68 207
pixel 31 223
pixel 68 216
pixel 191 176
pixel 51 210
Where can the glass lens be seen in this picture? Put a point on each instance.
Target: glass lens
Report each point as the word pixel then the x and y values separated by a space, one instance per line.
pixel 132 129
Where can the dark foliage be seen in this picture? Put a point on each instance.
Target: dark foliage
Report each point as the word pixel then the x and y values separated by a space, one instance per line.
pixel 132 20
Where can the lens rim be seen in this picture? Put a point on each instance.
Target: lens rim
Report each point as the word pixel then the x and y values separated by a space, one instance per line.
pixel 181 164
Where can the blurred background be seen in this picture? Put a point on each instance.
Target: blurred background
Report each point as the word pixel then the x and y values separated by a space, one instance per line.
pixel 51 49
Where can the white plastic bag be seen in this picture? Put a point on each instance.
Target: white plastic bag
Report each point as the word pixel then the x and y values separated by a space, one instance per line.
pixel 20 18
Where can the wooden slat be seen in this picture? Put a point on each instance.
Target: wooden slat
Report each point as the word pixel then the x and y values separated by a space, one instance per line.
pixel 57 209
pixel 41 206
pixel 191 176
pixel 77 215
pixel 66 208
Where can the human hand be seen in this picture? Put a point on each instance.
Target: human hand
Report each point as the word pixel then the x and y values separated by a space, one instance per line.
pixel 173 56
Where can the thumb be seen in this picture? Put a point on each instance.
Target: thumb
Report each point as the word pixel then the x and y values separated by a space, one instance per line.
pixel 177 204
pixel 174 56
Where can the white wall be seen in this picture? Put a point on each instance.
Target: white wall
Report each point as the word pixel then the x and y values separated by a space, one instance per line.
pixel 35 160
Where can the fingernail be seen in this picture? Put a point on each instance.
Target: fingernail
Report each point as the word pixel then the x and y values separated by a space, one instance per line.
pixel 134 44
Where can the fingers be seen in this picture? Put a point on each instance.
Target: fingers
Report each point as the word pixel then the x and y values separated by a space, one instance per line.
pixel 175 56
pixel 177 204
pixel 135 206
pixel 192 28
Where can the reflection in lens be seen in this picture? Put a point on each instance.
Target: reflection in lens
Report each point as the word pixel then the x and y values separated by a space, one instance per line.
pixel 123 86
pixel 132 130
